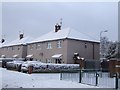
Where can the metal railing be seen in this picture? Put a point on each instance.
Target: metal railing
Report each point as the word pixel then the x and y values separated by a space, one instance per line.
pixel 91 77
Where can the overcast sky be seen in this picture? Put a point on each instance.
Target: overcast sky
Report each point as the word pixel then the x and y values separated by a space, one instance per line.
pixel 36 19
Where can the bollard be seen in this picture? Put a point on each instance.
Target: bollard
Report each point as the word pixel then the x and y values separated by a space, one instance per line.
pixel 61 76
pixel 97 78
pixel 116 81
pixel 30 69
pixel 80 76
pixel 19 68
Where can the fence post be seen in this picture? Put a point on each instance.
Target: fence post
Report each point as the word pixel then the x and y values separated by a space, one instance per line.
pixel 80 76
pixel 61 75
pixel 96 78
pixel 116 81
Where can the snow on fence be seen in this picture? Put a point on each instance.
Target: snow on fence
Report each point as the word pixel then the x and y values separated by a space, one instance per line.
pixel 106 81
pixel 88 78
pixel 97 78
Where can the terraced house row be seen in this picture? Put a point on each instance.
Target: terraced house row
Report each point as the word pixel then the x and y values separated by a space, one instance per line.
pixel 57 46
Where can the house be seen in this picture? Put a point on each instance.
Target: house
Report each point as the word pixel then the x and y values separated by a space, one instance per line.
pixel 16 48
pixel 59 46
pixel 1 51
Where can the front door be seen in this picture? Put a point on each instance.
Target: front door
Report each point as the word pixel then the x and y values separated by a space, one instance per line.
pixel 58 61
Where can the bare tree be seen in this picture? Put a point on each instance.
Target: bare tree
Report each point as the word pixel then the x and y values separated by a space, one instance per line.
pixel 113 50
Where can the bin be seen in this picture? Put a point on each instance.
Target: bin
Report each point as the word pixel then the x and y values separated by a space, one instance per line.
pixel 30 69
pixel 118 68
pixel 112 69
pixel 19 68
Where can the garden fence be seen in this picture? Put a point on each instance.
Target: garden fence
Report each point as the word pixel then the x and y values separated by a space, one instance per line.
pixel 91 77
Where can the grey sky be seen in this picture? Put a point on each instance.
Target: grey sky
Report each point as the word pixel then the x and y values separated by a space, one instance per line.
pixel 36 19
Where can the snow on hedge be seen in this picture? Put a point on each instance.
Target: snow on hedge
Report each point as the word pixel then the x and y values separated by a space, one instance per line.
pixel 54 67
pixel 39 66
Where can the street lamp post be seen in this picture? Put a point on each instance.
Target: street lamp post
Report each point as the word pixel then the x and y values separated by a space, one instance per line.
pixel 101 42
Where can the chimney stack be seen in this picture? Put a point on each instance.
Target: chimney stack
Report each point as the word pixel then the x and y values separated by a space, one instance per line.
pixel 57 27
pixel 21 35
pixel 3 40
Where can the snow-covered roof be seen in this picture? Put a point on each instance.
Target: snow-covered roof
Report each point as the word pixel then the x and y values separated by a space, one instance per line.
pixel 64 33
pixel 18 41
pixel 2 44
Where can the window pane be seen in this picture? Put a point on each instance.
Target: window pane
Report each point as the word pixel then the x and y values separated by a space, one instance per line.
pixel 49 45
pixel 59 44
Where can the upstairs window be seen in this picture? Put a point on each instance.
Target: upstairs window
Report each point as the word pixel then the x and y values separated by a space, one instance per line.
pixel 12 48
pixel 85 45
pixel 31 47
pixel 38 46
pixel 18 48
pixel 7 48
pixel 59 44
pixel 49 46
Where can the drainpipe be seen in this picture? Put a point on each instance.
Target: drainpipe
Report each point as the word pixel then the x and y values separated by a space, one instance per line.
pixel 93 51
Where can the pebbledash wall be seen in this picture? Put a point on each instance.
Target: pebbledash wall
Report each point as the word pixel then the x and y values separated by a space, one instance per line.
pixel 15 49
pixel 57 46
pixel 67 50
pixel 45 53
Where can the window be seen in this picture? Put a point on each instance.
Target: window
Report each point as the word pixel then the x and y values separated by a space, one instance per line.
pixel 31 47
pixel 59 44
pixel 12 48
pixel 38 46
pixel 85 45
pixel 49 60
pixel 7 48
pixel 49 46
pixel 18 48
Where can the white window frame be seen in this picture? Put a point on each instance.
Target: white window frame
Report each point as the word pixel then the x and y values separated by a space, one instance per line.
pixel 49 45
pixel 59 44
pixel 13 48
pixel 31 46
pixel 49 60
pixel 86 45
pixel 7 48
pixel 38 46
pixel 18 48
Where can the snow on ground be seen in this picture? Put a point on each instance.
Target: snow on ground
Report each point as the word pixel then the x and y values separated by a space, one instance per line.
pixel 14 79
pixel 0 78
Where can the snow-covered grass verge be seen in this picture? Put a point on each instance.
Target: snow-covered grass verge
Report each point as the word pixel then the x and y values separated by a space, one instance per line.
pixel 13 79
